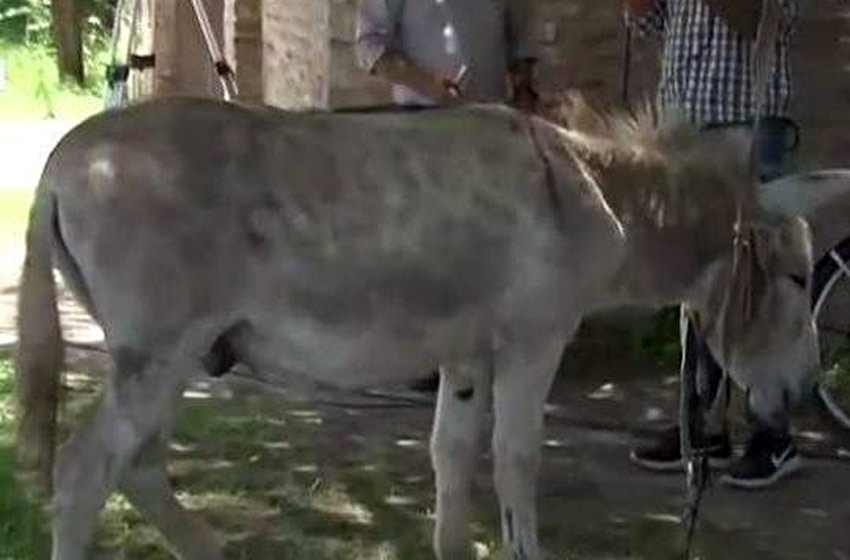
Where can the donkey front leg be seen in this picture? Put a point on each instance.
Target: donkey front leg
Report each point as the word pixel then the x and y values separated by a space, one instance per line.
pixel 522 381
pixel 462 404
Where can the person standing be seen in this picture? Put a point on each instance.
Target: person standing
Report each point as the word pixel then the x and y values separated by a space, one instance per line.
pixel 447 51
pixel 707 75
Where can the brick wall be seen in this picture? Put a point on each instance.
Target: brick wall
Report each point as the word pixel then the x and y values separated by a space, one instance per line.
pixel 581 44
pixel 822 78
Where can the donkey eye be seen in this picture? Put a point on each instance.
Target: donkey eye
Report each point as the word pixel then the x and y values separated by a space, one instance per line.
pixel 799 280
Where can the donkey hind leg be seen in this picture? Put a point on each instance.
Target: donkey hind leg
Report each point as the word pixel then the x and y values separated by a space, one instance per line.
pixel 145 483
pixel 136 404
pixel 521 385
pixel 462 404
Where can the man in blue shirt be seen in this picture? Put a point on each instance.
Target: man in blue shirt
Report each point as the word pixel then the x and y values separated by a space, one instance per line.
pixel 447 51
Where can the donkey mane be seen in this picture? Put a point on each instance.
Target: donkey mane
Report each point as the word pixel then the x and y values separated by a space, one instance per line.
pixel 677 190
pixel 646 136
pixel 658 168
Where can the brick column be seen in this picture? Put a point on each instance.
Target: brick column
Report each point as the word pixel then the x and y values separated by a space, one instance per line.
pixel 296 52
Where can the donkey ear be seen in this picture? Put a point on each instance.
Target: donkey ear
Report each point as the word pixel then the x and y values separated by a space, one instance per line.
pixel 795 251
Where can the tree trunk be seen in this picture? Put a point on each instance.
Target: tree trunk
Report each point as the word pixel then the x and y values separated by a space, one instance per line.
pixel 68 37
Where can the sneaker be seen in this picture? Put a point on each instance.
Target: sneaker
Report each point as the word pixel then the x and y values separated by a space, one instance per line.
pixel 767 459
pixel 665 454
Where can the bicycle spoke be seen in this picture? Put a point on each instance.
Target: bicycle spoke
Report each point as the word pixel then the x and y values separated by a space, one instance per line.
pixel 840 262
pixel 834 386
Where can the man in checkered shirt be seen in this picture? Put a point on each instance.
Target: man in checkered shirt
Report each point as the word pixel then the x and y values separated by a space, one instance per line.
pixel 706 74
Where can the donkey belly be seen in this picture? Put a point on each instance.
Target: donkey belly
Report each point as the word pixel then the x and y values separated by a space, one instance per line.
pixel 351 354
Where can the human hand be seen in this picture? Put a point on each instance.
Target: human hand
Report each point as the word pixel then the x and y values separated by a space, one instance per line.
pixel 398 69
pixel 446 92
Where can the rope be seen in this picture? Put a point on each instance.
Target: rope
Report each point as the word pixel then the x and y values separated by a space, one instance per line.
pixel 739 307
pixel 223 70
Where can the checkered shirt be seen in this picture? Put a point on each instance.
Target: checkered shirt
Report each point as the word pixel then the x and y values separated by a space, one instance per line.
pixel 706 66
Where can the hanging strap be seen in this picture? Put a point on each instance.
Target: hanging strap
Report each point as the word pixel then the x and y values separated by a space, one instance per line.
pixel 118 71
pixel 224 71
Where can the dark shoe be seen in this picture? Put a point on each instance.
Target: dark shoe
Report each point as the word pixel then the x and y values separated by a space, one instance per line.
pixel 768 458
pixel 665 454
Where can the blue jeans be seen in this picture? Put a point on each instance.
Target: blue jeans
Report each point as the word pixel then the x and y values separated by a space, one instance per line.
pixel 775 140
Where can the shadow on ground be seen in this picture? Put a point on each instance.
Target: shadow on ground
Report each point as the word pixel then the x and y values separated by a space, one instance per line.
pixel 320 474
pixel 348 478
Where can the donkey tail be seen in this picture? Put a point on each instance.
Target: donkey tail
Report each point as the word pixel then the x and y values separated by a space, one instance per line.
pixel 39 354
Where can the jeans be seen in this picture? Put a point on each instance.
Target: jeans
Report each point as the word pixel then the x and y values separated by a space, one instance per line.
pixel 774 142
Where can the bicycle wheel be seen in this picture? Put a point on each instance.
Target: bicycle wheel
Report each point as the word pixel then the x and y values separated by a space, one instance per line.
pixel 831 312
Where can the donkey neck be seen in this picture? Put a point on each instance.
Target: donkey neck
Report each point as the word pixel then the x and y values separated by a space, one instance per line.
pixel 674 231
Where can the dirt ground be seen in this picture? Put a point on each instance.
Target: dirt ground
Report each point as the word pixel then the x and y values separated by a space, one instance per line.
pixel 308 472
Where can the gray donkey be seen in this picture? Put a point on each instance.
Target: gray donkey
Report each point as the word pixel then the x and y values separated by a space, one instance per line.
pixel 363 248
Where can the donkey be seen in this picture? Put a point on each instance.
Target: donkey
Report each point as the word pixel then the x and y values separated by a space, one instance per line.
pixel 363 248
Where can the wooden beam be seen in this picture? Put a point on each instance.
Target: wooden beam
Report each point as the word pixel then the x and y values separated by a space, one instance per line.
pixel 248 49
pixel 165 39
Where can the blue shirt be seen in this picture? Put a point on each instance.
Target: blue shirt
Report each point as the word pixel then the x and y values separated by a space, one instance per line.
pixel 443 36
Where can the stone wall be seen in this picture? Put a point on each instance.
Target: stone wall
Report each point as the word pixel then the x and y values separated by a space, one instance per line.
pixel 296 52
pixel 582 46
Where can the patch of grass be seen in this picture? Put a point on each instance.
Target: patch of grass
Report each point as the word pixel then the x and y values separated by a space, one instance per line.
pixel 658 339
pixel 262 474
pixel 836 368
pixel 23 526
pixel 275 481
pixel 651 338
pixel 34 91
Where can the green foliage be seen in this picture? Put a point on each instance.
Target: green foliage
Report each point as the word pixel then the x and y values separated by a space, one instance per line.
pixel 22 523
pixel 27 23
pixel 33 88
pixel 658 339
